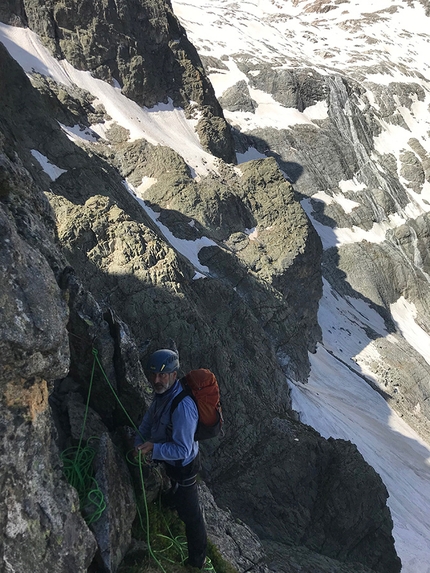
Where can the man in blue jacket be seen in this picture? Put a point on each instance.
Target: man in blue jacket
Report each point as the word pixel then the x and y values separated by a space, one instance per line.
pixel 170 438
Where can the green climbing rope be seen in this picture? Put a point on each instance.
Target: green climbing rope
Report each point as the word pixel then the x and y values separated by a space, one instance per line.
pixel 78 469
pixel 148 536
pixel 176 543
pixel 96 357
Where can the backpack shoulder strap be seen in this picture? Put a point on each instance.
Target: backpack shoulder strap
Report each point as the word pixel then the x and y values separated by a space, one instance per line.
pixel 177 399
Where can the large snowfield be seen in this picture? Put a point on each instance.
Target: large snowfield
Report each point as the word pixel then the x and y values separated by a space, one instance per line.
pixel 336 401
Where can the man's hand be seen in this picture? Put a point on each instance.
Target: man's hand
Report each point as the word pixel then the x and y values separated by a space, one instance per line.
pixel 144 448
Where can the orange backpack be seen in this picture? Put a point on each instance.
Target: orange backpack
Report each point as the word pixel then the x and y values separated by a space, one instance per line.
pixel 202 386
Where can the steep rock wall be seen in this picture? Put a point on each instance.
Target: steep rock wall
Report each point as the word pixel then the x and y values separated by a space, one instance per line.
pixel 306 473
pixel 38 508
pixel 139 44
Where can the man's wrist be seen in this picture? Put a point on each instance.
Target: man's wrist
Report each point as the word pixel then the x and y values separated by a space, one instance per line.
pixel 146 447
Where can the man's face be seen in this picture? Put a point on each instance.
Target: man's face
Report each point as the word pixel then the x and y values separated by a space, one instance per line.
pixel 161 382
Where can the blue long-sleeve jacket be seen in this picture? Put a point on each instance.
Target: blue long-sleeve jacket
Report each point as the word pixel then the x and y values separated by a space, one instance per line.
pixel 179 449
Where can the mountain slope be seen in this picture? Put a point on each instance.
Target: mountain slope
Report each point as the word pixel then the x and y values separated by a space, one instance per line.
pixel 339 94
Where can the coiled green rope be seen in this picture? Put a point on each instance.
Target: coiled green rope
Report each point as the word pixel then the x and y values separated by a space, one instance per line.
pixel 78 469
pixel 77 460
pixel 176 543
pixel 77 466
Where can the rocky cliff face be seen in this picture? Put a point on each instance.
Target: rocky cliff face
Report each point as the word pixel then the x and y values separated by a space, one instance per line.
pixel 335 151
pixel 355 156
pixel 93 277
pixel 38 507
pixel 143 47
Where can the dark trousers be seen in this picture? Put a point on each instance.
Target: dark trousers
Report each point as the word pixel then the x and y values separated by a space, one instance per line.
pixel 185 499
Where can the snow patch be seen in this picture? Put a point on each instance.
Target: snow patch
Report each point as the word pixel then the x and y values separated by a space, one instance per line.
pixel 79 133
pixel 49 168
pixel 336 236
pixel 351 185
pixel 147 182
pixel 387 443
pixel 189 249
pixel 404 314
pixel 252 233
pixel 250 154
pixel 346 204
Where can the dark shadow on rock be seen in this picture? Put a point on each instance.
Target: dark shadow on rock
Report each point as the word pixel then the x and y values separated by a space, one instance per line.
pixel 243 142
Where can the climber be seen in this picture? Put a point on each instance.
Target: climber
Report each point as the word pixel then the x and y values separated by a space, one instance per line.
pixel 170 439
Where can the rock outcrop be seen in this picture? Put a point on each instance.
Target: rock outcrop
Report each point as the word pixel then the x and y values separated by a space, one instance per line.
pixel 125 42
pixel 39 510
pixel 297 470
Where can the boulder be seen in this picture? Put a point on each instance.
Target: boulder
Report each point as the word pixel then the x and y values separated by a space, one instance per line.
pixel 324 498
